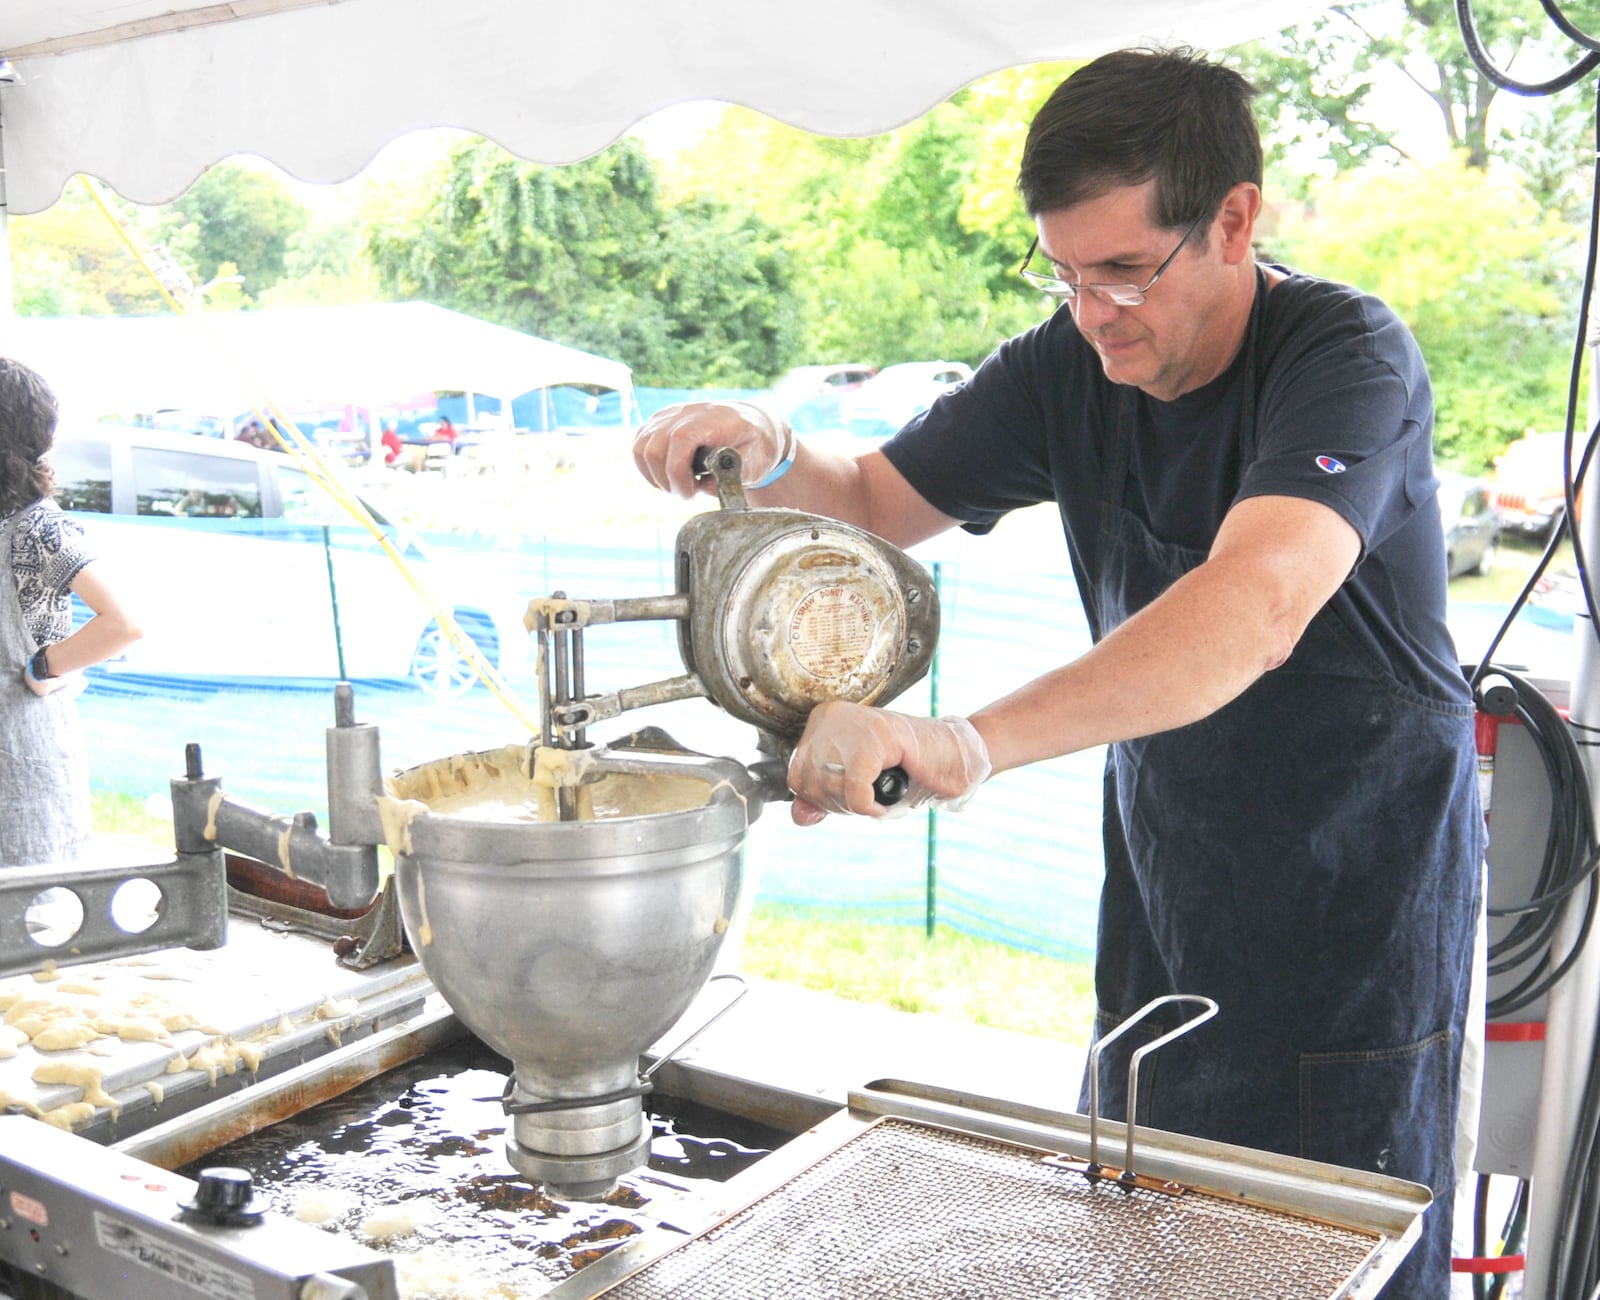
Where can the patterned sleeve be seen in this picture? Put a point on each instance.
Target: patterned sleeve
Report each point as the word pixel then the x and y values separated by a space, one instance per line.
pixel 48 552
pixel 63 550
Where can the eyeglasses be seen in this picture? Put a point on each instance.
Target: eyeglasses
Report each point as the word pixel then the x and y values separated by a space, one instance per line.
pixel 1120 295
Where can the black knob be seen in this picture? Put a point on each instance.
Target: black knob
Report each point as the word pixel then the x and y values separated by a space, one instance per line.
pixel 891 786
pixel 223 1195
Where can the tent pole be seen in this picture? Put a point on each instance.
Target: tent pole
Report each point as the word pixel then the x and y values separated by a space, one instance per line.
pixel 8 306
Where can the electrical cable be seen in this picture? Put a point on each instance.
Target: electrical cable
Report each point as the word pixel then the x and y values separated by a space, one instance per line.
pixel 1567 27
pixel 1571 855
pixel 1480 1236
pixel 1512 1234
pixel 1485 1287
pixel 1480 56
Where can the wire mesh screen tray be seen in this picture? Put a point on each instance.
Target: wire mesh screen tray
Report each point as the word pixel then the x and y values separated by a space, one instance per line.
pixel 910 1208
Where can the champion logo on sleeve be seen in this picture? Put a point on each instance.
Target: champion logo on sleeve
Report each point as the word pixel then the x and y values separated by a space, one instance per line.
pixel 1330 465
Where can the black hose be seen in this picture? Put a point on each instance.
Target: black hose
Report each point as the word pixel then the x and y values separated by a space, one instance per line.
pixel 1480 56
pixel 1567 27
pixel 1571 853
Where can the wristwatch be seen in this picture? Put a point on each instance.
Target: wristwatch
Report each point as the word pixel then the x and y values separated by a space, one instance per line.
pixel 39 666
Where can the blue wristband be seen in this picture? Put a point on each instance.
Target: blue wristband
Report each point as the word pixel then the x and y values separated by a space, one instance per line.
pixel 778 471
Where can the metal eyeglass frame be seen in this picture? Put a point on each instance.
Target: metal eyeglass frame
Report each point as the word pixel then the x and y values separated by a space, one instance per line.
pixel 1119 295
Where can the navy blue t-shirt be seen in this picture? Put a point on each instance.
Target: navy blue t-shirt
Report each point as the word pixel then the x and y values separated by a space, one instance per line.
pixel 1328 399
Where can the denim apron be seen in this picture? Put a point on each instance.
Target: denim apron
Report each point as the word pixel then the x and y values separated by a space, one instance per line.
pixel 44 774
pixel 1254 857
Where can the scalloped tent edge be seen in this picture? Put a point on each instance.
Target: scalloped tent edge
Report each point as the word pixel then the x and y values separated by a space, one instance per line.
pixel 318 86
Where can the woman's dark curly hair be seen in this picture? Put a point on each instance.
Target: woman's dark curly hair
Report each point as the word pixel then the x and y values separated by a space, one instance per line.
pixel 28 413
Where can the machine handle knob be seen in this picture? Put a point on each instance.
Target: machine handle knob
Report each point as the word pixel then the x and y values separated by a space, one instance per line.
pixel 891 786
pixel 704 463
pixel 223 1195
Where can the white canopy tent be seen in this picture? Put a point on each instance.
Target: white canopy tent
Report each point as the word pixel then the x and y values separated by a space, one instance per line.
pixel 146 94
pixel 370 356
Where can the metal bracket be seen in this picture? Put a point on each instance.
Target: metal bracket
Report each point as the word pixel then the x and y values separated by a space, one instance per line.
pixel 69 915
pixel 1126 1176
pixel 358 943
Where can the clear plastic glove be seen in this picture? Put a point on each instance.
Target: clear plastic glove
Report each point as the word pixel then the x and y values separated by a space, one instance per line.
pixel 845 747
pixel 665 445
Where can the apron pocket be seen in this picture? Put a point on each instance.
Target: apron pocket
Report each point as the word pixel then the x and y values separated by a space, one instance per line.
pixel 1388 1110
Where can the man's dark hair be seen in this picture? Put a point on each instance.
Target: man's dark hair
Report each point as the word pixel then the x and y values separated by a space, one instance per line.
pixel 1133 116
pixel 28 414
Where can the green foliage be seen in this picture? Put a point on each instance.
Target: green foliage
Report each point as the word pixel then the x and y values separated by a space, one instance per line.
pixel 904 246
pixel 70 261
pixel 1319 81
pixel 1311 102
pixel 1486 281
pixel 325 266
pixel 237 214
pixel 587 255
pixel 759 246
pixel 889 305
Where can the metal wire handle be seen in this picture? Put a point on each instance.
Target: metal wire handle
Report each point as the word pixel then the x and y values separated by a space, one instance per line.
pixel 683 1043
pixel 1133 1068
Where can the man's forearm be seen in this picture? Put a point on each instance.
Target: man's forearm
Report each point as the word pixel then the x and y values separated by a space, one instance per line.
pixel 866 491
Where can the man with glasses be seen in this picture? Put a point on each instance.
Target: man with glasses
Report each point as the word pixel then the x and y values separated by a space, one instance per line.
pixel 1241 456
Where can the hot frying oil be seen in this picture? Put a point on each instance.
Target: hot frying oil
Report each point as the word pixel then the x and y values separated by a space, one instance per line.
pixel 413 1164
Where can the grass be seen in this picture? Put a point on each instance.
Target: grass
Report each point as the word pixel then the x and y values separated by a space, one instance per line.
pixel 953 975
pixel 1513 563
pixel 126 817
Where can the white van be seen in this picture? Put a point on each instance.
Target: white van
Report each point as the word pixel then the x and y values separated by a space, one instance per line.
pixel 242 566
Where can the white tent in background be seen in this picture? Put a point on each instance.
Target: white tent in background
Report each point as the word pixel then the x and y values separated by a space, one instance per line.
pixel 368 356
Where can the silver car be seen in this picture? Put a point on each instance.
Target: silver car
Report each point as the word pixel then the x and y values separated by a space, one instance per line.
pixel 243 566
pixel 1471 525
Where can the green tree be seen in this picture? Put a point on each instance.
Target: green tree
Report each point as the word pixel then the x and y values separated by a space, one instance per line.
pixel 1319 81
pixel 70 260
pixel 325 266
pixel 587 255
pixel 239 214
pixel 1485 279
pixel 905 245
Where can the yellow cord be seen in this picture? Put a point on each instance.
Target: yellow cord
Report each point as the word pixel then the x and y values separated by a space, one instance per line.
pixel 306 455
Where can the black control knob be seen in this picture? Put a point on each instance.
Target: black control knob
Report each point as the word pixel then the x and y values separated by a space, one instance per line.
pixel 891 786
pixel 223 1196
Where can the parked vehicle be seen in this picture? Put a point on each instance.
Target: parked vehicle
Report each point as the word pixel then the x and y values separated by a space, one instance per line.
pixel 1557 598
pixel 243 566
pixel 803 383
pixel 1471 526
pixel 1529 484
pixel 809 396
pixel 896 393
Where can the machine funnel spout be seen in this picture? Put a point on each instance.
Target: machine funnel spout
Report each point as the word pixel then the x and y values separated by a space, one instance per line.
pixel 570 945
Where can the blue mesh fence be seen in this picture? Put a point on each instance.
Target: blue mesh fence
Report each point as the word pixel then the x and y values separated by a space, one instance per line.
pixel 1020 865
